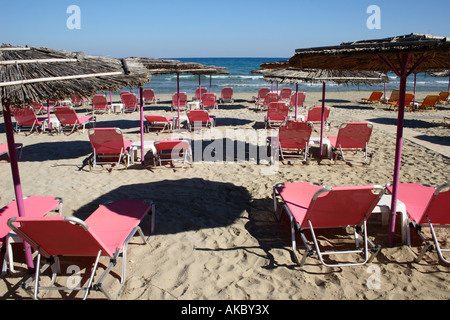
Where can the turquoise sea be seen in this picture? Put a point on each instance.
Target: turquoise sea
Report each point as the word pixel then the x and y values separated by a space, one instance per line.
pixel 241 80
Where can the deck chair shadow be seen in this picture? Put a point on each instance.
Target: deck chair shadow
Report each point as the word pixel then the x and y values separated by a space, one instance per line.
pixel 277 114
pixel 158 122
pixel 226 95
pixel 172 152
pixel 183 101
pixel 105 233
pixel 352 140
pixel 27 119
pixel 375 96
pixel 34 206
pixel 70 121
pixel 426 206
pixel 312 207
pixel 109 147
pixel 292 142
pixel 100 104
pixel 209 101
pixel 149 96
pixel 198 119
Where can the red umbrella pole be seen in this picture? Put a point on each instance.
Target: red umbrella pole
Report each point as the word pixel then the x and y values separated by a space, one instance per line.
pixel 141 110
pixel 296 100
pixel 16 178
pixel 178 98
pixel 322 119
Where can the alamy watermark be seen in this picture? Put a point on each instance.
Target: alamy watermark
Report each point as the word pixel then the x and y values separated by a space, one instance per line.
pixel 374 20
pixel 73 22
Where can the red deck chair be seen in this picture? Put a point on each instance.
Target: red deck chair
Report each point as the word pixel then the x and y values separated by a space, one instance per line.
pixel 300 100
pixel 129 101
pixel 106 232
pixel 159 122
pixel 293 141
pixel 77 101
pixel 315 116
pixel 100 104
pixel 352 138
pixel 70 121
pixel 285 94
pixel 426 206
pixel 200 118
pixel 26 118
pixel 109 147
pixel 198 95
pixel 4 149
pixel 277 113
pixel 149 96
pixel 226 95
pixel 270 97
pixel 38 108
pixel 311 207
pixel 262 93
pixel 183 101
pixel 173 151
pixel 209 101
pixel 375 96
pixel 35 206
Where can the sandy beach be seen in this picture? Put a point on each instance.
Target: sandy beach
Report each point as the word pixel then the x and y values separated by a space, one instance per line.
pixel 216 237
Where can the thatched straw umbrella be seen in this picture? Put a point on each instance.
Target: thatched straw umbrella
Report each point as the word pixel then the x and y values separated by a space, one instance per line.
pixel 277 71
pixel 402 55
pixel 30 74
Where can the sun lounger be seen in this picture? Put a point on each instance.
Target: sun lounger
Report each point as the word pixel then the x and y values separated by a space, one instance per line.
pixel 262 93
pixel 315 116
pixel 352 139
pixel 226 95
pixel 100 104
pixel 277 113
pixel 270 97
pixel 34 206
pixel 77 101
pixel 393 98
pixel 300 96
pixel 158 122
pixel 106 232
pixel 26 118
pixel 70 121
pixel 4 149
pixel 408 99
pixel 430 102
pixel 375 96
pixel 426 206
pixel 312 207
pixel 443 96
pixel 209 101
pixel 285 94
pixel 172 152
pixel 38 108
pixel 129 102
pixel 183 101
pixel 149 96
pixel 200 118
pixel 109 147
pixel 200 93
pixel 292 141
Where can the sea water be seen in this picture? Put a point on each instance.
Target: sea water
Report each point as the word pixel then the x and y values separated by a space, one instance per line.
pixel 241 79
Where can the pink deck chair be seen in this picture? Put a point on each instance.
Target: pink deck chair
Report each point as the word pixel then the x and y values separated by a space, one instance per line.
pixel 105 233
pixel 109 147
pixel 311 207
pixel 77 101
pixel 35 206
pixel 352 139
pixel 183 101
pixel 200 93
pixel 129 101
pixel 38 108
pixel 300 100
pixel 200 118
pixel 100 104
pixel 375 96
pixel 226 95
pixel 426 206
pixel 270 97
pixel 4 149
pixel 277 114
pixel 149 96
pixel 209 101
pixel 293 141
pixel 285 94
pixel 173 151
pixel 26 118
pixel 159 122
pixel 315 116
pixel 262 93
pixel 70 121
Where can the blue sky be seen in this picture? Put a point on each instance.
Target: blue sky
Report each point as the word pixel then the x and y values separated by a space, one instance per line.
pixel 209 28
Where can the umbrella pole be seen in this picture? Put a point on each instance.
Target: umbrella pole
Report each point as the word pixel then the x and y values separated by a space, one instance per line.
pixel 141 110
pixel 199 91
pixel 210 83
pixel 414 98
pixel 321 122
pixel 178 98
pixel 16 178
pixel 296 100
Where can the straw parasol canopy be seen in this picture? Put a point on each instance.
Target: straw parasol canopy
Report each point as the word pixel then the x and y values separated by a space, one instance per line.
pixel 29 74
pixel 402 55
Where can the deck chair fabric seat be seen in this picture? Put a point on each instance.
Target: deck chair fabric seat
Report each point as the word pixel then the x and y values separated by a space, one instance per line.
pixel 314 116
pixel 277 114
pixel 100 104
pixel 299 98
pixel 159 122
pixel 268 99
pixel 149 96
pixel 375 96
pixel 34 206
pixel 129 101
pixel 173 150
pixel 430 102
pixel 109 147
pixel 209 101
pixel 408 105
pixel 26 118
pixel 261 94
pixel 226 95
pixel 106 232
pixel 444 96
pixel 4 149
pixel 285 94
pixel 68 118
pixel 183 101
pixel 311 207
pixel 353 138
pixel 426 206
pixel 200 118
pixel 292 142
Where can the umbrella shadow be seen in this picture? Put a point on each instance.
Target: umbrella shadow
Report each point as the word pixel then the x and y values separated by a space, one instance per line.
pixel 120 123
pixel 354 107
pixel 55 151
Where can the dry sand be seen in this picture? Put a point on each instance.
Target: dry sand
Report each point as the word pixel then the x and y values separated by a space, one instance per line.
pixel 216 236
